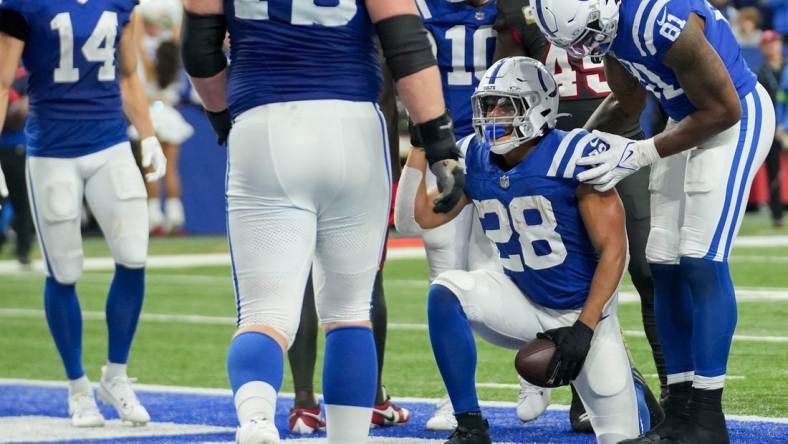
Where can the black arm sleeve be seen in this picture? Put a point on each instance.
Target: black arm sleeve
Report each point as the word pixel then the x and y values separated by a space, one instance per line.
pixel 405 45
pixel 14 24
pixel 202 38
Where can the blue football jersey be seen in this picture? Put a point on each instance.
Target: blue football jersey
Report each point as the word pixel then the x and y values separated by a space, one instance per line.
pixel 647 30
pixel 290 50
pixel 463 40
pixel 530 212
pixel 71 54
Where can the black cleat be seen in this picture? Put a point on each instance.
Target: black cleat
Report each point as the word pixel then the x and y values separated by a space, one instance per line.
pixel 578 417
pixel 706 422
pixel 676 416
pixel 473 431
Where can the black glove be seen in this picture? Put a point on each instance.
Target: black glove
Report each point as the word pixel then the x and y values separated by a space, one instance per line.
pixel 451 184
pixel 437 138
pixel 221 123
pixel 572 344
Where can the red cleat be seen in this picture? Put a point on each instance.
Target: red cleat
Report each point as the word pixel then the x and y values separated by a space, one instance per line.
pixel 388 414
pixel 305 421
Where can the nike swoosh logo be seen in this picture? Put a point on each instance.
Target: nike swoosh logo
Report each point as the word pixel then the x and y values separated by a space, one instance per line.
pixel 390 417
pixel 628 155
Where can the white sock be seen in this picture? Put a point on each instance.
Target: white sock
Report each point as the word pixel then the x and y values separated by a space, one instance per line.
pixel 79 385
pixel 255 399
pixel 173 208
pixel 347 424
pixel 155 216
pixel 114 371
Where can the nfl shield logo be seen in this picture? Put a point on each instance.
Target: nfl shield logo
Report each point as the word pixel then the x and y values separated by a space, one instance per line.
pixel 479 15
pixel 504 182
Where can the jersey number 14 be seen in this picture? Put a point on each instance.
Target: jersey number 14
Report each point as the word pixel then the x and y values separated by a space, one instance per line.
pixel 99 48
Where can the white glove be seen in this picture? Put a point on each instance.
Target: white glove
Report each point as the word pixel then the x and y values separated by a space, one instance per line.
pixel 152 155
pixel 624 157
pixel 3 188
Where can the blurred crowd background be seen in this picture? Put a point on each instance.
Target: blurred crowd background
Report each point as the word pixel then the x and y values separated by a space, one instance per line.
pixel 190 199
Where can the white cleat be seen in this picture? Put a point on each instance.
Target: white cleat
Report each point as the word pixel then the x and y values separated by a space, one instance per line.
pixel 532 401
pixel 443 418
pixel 257 431
pixel 83 410
pixel 118 393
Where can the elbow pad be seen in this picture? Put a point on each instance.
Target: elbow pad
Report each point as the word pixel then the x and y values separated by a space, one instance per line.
pixel 405 203
pixel 202 38
pixel 405 45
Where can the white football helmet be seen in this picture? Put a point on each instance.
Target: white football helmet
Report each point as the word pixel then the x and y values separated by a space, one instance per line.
pixel 583 28
pixel 516 101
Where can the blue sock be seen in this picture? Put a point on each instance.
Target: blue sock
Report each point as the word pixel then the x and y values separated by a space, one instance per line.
pixel 252 357
pixel 350 367
pixel 453 347
pixel 714 316
pixel 673 312
pixel 64 318
pixel 124 304
pixel 644 416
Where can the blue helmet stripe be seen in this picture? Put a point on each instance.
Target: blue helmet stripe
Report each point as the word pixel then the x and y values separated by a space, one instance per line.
pixel 494 75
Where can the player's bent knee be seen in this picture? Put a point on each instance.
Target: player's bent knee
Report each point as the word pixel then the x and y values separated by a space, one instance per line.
pixel 607 369
pixel 280 337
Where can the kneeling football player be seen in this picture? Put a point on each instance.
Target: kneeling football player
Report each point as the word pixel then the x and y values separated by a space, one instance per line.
pixel 563 248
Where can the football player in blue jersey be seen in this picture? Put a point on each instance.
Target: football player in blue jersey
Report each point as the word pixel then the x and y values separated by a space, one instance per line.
pixel 581 88
pixel 562 245
pixel 721 126
pixel 308 180
pixel 83 75
pixel 463 41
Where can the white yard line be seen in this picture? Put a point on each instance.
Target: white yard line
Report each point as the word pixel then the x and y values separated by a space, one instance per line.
pixel 227 392
pixel 30 313
pixel 223 259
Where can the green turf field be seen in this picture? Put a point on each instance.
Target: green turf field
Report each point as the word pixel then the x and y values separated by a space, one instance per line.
pixel 191 352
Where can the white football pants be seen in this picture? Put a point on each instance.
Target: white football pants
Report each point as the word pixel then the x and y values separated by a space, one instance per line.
pixel 112 185
pixel 307 181
pixel 502 315
pixel 698 197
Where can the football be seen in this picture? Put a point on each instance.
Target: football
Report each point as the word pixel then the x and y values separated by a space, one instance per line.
pixel 533 359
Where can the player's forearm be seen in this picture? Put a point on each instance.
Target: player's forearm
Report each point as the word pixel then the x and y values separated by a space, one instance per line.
pixel 425 214
pixel 695 129
pixel 606 279
pixel 613 117
pixel 135 105
pixel 422 94
pixel 212 91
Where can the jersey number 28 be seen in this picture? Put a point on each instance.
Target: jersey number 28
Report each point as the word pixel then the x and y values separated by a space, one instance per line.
pixel 99 48
pixel 514 218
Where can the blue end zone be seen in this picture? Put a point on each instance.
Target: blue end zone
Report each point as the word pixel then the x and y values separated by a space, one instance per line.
pixel 217 410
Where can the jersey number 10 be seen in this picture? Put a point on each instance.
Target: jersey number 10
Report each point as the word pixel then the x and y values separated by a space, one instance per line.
pixel 99 48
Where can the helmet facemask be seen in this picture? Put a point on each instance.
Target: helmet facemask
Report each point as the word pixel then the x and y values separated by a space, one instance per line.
pixel 502 120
